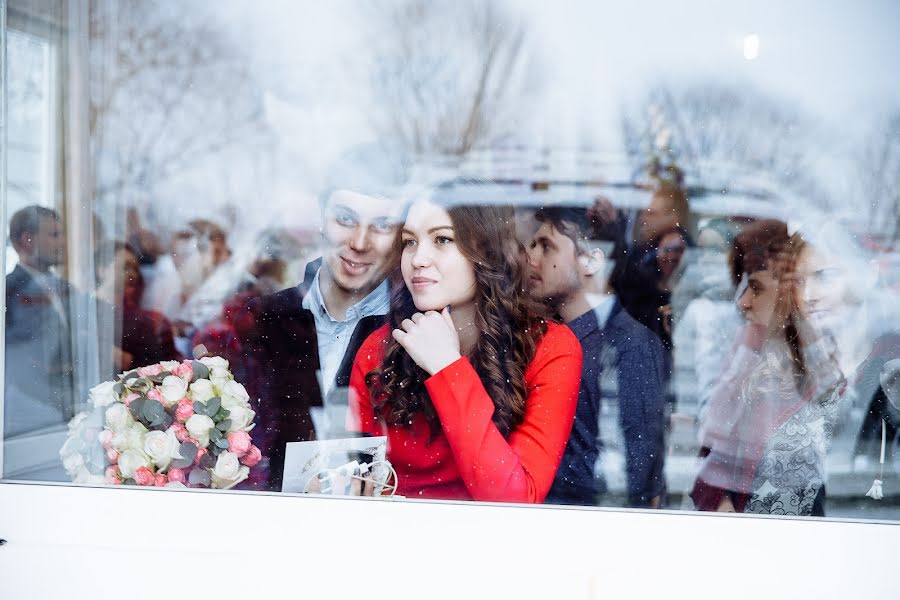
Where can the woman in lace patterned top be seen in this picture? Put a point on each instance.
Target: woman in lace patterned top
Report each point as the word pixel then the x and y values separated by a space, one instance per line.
pixel 765 434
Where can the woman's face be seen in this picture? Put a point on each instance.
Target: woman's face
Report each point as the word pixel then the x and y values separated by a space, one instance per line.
pixel 821 291
pixel 435 271
pixel 758 297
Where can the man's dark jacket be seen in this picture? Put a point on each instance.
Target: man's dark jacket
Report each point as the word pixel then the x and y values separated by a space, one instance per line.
pixel 278 365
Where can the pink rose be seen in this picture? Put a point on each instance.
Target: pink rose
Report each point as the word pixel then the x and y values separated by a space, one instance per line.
pixel 105 438
pixel 185 410
pixel 201 452
pixel 252 457
pixel 150 371
pixel 130 397
pixel 177 475
pixel 113 475
pixel 144 476
pixel 184 370
pixel 181 433
pixel 160 480
pixel 239 442
pixel 155 394
pixel 112 455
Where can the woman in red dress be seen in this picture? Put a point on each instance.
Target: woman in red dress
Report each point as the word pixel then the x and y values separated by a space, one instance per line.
pixel 475 391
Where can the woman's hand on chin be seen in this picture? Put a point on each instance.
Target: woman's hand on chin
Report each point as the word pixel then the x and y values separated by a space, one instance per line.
pixel 430 339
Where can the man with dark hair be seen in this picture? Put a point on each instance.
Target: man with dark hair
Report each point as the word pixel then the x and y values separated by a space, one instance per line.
pixel 38 380
pixel 569 271
pixel 301 342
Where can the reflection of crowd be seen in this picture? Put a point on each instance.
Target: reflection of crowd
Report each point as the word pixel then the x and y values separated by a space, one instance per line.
pixel 489 364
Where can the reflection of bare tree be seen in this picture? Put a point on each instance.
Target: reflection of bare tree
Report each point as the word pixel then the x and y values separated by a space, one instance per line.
pixel 449 76
pixel 879 173
pixel 168 89
pixel 705 127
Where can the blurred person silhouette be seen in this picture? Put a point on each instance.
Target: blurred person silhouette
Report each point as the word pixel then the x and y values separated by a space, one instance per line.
pixel 844 297
pixel 770 416
pixel 704 330
pixel 38 372
pixel 877 384
pixel 648 252
pixel 303 339
pixel 568 271
pixel 142 337
pixel 183 287
pixel 475 391
pixel 268 272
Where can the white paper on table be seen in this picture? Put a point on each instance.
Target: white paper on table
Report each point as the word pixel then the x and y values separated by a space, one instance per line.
pixel 304 460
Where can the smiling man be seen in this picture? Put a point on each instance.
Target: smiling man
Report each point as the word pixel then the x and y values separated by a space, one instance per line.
pixel 300 347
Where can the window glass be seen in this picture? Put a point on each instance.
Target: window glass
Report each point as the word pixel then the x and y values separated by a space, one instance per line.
pixel 499 252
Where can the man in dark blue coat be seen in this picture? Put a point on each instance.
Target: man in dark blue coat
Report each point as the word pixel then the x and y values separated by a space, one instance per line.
pixel 38 381
pixel 569 272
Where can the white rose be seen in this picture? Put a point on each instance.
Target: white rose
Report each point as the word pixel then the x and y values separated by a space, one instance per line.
pixel 87 478
pixel 173 389
pixel 198 426
pixel 228 471
pixel 241 418
pixel 214 362
pixel 220 378
pixel 73 463
pixel 234 394
pixel 72 445
pixel 202 390
pixel 161 447
pixel 132 460
pixel 168 365
pixel 118 418
pixel 103 394
pixel 77 420
pixel 130 438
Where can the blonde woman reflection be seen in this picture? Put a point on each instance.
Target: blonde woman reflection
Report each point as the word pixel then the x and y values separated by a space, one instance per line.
pixel 765 434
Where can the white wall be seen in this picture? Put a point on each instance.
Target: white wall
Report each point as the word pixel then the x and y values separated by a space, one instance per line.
pixel 65 542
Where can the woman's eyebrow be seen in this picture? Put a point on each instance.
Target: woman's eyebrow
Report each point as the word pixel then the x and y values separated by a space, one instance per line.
pixel 430 231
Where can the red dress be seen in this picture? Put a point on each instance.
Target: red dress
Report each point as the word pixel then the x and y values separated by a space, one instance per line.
pixel 470 459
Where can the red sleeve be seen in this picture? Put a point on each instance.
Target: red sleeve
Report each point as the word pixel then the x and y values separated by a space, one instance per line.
pixel 522 467
pixel 360 414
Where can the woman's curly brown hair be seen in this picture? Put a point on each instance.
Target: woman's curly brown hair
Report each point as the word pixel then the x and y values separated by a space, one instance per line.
pixel 509 321
pixel 764 245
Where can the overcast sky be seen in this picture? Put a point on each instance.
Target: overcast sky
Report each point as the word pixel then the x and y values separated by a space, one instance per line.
pixel 838 61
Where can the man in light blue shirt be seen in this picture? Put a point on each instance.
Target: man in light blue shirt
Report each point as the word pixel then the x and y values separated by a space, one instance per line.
pixel 301 346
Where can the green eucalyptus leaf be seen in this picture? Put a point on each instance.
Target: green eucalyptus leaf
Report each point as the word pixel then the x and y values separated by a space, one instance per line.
pixel 129 375
pixel 153 411
pixel 223 425
pixel 207 461
pixel 213 405
pixel 199 370
pixel 215 435
pixel 222 443
pixel 199 477
pixel 137 408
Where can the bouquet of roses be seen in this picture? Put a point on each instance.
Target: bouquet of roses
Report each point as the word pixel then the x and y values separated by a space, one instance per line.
pixel 170 424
